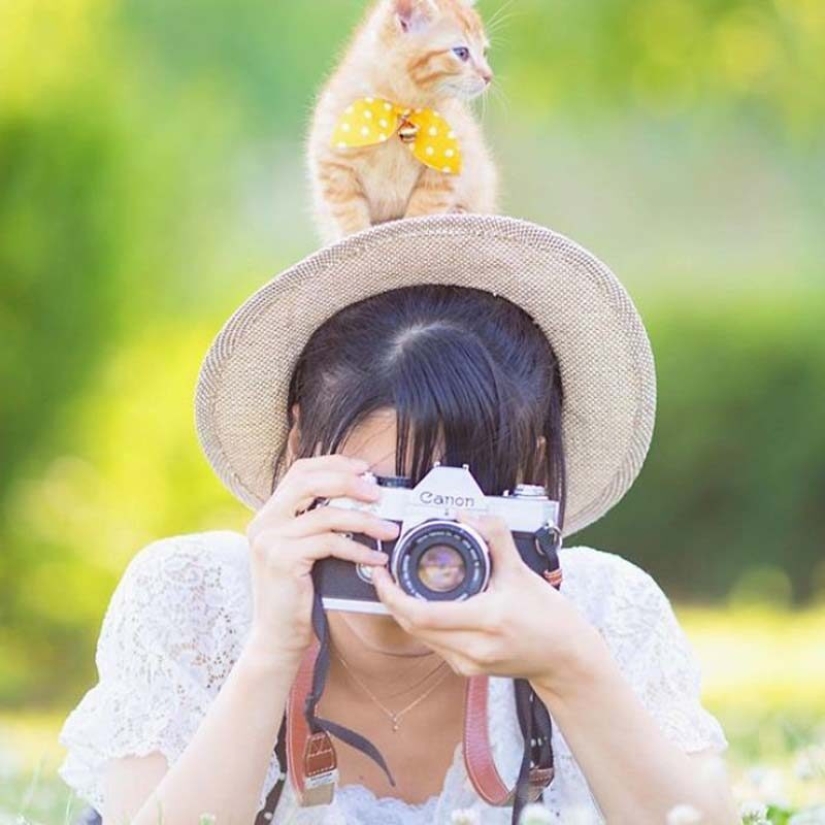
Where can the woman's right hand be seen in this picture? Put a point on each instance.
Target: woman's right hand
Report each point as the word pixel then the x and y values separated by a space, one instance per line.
pixel 285 542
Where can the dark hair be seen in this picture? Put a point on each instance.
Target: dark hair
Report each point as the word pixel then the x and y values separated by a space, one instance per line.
pixel 467 372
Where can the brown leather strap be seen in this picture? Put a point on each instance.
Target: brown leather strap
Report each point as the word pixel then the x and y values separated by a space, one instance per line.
pixel 478 754
pixel 478 758
pixel 311 759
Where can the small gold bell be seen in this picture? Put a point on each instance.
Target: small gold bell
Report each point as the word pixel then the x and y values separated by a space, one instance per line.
pixel 408 131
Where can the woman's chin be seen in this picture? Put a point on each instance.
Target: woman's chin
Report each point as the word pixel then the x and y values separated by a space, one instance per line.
pixel 379 633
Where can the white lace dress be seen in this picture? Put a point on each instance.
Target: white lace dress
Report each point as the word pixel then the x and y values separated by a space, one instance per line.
pixel 177 622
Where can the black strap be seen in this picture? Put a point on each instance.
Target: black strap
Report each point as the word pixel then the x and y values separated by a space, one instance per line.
pixel 266 813
pixel 319 677
pixel 533 716
pixel 536 729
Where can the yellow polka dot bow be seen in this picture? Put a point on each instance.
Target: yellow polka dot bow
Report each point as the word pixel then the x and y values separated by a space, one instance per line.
pixel 370 121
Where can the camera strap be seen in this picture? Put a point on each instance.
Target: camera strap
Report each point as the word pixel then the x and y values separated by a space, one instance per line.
pixel 319 764
pixel 310 752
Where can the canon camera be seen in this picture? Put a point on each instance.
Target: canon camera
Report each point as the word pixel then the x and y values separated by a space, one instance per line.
pixel 435 557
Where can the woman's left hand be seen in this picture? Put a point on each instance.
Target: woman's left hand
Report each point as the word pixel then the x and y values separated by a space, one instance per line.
pixel 520 626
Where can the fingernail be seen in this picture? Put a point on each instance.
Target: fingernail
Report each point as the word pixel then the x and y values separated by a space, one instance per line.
pixel 378 556
pixel 390 525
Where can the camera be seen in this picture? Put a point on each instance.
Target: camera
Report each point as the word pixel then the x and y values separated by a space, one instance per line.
pixel 435 557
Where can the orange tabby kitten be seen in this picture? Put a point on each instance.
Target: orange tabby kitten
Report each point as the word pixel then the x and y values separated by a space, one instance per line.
pixel 418 55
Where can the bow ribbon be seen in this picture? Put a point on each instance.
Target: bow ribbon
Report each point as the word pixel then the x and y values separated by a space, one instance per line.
pixel 370 121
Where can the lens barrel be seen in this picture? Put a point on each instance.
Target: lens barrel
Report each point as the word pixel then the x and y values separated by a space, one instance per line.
pixel 441 560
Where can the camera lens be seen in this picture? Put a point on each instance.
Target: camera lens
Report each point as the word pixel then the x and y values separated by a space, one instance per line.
pixel 441 560
pixel 441 568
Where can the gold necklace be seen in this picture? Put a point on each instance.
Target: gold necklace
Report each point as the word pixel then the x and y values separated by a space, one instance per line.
pixel 414 685
pixel 395 716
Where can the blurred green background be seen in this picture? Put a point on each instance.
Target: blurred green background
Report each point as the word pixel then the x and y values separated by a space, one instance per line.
pixel 151 177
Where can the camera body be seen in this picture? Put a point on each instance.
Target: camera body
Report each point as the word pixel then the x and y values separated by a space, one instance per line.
pixel 435 557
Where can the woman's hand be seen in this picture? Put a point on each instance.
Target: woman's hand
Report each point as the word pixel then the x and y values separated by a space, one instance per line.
pixel 285 542
pixel 520 626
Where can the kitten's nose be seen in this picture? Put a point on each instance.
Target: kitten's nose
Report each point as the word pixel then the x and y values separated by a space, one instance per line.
pixel 487 76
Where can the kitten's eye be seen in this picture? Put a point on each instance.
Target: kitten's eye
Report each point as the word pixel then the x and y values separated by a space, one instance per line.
pixel 462 53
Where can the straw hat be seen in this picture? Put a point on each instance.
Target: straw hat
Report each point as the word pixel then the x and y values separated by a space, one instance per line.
pixel 604 354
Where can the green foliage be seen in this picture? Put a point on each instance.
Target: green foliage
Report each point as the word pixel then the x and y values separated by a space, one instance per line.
pixel 57 293
pixel 667 56
pixel 731 493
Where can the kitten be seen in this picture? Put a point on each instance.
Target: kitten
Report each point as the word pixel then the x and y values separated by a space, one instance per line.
pixel 418 55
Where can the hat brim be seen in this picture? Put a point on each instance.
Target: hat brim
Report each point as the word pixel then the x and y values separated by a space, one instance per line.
pixel 604 353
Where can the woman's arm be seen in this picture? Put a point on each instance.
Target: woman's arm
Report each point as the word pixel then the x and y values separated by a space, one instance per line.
pixel 222 770
pixel 520 626
pixel 636 774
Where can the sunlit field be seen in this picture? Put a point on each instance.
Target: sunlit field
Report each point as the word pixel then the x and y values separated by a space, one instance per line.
pixel 764 678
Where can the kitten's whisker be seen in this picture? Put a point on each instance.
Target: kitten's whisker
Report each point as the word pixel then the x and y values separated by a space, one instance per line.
pixel 494 18
pixel 501 97
pixel 499 24
pixel 503 16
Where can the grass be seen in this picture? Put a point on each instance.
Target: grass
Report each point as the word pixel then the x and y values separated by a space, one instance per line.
pixel 763 677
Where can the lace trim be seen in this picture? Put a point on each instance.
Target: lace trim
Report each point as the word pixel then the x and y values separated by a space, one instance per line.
pixel 364 806
pixel 173 629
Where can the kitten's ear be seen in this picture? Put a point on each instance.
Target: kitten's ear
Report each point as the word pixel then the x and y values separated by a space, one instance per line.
pixel 414 15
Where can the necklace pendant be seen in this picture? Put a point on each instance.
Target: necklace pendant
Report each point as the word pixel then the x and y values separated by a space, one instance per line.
pixel 394 723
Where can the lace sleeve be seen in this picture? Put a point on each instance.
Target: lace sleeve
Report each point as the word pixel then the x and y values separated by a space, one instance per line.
pixel 657 658
pixel 171 634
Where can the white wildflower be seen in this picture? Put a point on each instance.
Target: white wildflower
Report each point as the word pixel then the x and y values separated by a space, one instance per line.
pixel 581 815
pixel 765 785
pixel 535 814
pixel 684 815
pixel 810 763
pixel 753 813
pixel 464 816
pixel 809 816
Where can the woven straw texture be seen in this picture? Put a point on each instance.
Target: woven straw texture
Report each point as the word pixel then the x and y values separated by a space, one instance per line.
pixel 603 349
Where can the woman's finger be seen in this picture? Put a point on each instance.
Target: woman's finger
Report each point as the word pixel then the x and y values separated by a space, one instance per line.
pixel 273 506
pixel 496 532
pixel 297 492
pixel 417 614
pixel 309 549
pixel 326 519
pixel 334 544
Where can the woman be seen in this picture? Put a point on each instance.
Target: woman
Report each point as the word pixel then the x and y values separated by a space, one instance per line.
pixel 480 341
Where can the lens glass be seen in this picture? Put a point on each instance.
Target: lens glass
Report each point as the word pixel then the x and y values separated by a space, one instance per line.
pixel 441 568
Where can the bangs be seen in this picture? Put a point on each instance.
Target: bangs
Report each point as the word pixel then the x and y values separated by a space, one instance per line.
pixel 452 402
